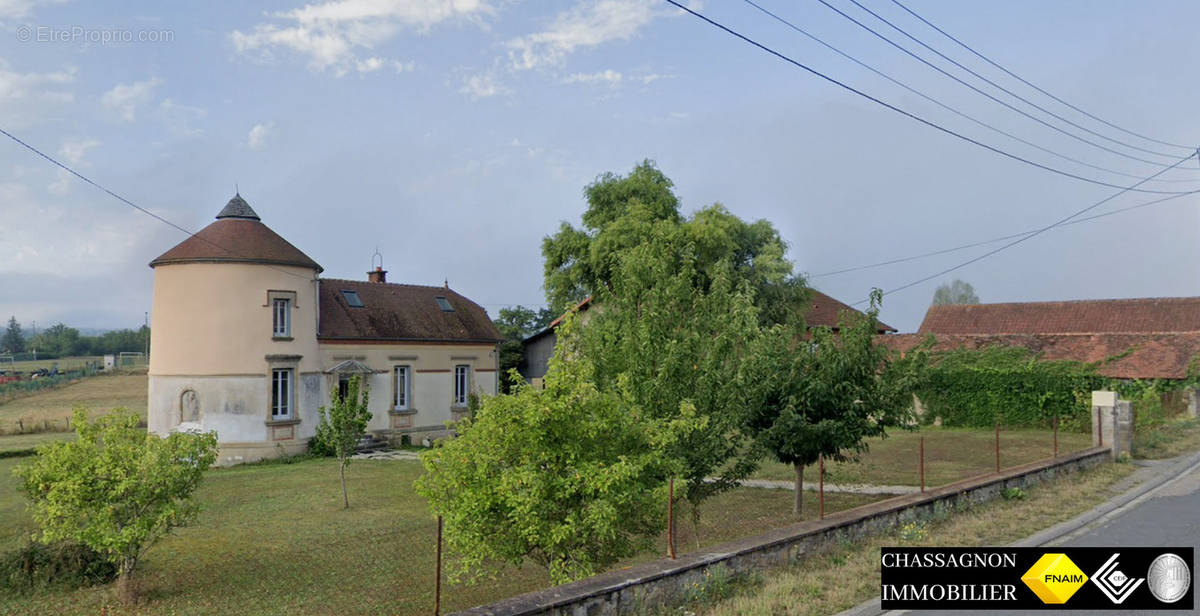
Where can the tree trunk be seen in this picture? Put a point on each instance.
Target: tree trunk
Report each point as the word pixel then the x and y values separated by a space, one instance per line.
pixel 798 503
pixel 345 498
pixel 126 588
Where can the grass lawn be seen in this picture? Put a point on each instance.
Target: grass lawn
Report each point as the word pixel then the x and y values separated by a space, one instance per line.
pixel 64 363
pixel 951 454
pixel 274 539
pixel 849 574
pixel 102 392
pixel 20 442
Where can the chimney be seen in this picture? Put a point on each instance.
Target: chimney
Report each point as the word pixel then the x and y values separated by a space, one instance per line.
pixel 379 275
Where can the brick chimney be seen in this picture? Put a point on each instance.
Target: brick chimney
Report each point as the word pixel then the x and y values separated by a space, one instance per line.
pixel 379 275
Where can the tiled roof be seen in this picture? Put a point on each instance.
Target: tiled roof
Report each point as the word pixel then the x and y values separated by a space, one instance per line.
pixel 1141 355
pixel 400 312
pixel 1167 314
pixel 825 310
pixel 237 236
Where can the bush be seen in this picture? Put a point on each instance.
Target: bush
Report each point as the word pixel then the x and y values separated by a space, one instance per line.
pixel 64 565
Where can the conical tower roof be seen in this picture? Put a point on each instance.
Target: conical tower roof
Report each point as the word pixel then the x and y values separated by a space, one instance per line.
pixel 237 236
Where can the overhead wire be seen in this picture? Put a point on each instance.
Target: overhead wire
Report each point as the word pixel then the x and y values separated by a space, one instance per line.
pixel 903 112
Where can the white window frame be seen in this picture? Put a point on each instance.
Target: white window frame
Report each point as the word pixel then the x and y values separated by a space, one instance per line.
pixel 462 384
pixel 402 392
pixel 281 317
pixel 283 394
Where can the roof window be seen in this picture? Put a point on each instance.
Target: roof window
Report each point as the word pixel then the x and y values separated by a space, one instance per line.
pixel 444 304
pixel 352 298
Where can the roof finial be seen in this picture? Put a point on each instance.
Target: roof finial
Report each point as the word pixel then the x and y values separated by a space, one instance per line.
pixel 446 283
pixel 236 190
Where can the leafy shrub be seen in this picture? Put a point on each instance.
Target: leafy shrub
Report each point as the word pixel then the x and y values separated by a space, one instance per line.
pixel 61 565
pixel 1014 494
pixel 912 532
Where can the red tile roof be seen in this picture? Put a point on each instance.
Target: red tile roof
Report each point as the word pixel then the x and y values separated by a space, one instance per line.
pixel 236 240
pixel 400 312
pixel 1165 314
pixel 825 311
pixel 1150 355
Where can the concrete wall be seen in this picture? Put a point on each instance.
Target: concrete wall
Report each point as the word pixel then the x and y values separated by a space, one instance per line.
pixel 644 588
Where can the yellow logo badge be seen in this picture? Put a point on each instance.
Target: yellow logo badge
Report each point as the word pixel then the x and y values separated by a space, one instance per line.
pixel 1054 578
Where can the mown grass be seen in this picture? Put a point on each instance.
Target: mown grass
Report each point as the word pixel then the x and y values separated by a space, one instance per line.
pixel 849 574
pixel 53 407
pixel 273 539
pixel 26 442
pixel 951 454
pixel 64 363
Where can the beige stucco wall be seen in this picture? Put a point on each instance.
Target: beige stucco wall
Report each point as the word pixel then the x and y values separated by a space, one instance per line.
pixel 432 373
pixel 213 336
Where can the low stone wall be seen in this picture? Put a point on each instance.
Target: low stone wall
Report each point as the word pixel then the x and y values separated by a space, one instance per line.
pixel 647 586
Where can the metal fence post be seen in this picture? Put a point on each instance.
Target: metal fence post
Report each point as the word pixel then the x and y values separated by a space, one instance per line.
pixel 437 585
pixel 671 518
pixel 820 486
pixel 1056 436
pixel 997 445
pixel 922 441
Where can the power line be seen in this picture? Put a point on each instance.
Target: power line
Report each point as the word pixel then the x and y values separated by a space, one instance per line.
pixel 1024 81
pixel 986 94
pixel 1030 235
pixel 949 108
pixel 907 114
pixel 996 239
pixel 132 204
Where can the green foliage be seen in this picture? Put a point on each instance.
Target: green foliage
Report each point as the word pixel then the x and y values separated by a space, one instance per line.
pixel 341 427
pixel 819 393
pixel 672 337
pixel 627 211
pixel 571 477
pixel 515 324
pixel 13 340
pixel 1014 493
pixel 116 489
pixel 956 292
pixel 64 564
pixel 913 532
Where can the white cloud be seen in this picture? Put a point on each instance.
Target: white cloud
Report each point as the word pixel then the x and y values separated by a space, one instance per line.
pixel 22 8
pixel 27 97
pixel 257 139
pixel 329 34
pixel 180 119
pixel 73 151
pixel 125 99
pixel 482 85
pixel 608 76
pixel 586 25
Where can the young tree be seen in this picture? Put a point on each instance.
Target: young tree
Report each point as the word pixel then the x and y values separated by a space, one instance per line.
pixel 819 393
pixel 13 340
pixel 956 292
pixel 116 489
pixel 515 324
pixel 340 429
pixel 570 477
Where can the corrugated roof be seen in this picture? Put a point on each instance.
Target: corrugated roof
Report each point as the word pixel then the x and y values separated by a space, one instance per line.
pixel 1162 314
pixel 237 236
pixel 400 312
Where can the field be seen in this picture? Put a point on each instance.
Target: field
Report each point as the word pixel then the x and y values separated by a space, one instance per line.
pixel 273 539
pixel 64 364
pixel 102 392
pixel 950 455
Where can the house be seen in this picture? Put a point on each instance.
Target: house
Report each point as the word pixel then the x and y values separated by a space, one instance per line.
pixel 823 311
pixel 1148 338
pixel 250 341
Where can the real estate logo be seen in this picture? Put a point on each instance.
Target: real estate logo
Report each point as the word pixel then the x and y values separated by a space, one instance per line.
pixel 1170 578
pixel 1115 585
pixel 1054 578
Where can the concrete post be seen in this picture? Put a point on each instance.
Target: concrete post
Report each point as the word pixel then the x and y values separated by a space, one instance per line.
pixel 1193 397
pixel 1103 405
pixel 1122 442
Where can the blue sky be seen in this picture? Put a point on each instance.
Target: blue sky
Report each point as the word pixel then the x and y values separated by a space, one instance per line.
pixel 455 134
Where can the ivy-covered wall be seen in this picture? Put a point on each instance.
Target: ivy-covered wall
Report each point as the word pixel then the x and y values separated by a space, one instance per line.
pixel 975 388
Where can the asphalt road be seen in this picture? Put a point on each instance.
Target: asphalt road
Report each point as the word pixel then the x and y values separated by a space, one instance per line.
pixel 1168 517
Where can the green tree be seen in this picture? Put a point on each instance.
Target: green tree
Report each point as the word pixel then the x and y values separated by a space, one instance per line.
pixel 116 489
pixel 955 292
pixel 625 211
pixel 815 392
pixel 57 341
pixel 13 340
pixel 670 337
pixel 570 477
pixel 340 429
pixel 515 324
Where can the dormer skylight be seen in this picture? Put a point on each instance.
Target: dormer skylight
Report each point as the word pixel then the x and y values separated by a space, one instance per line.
pixel 352 298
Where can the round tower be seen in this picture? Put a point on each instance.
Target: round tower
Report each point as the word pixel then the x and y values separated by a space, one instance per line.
pixel 234 343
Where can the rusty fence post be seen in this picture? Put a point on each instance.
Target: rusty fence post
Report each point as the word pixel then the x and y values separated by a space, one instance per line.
pixel 922 441
pixel 1056 436
pixel 671 518
pixel 820 486
pixel 437 585
pixel 1100 426
pixel 997 445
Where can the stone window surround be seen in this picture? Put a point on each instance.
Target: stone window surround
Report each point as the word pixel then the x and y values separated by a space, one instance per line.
pixel 282 362
pixel 408 408
pixel 291 296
